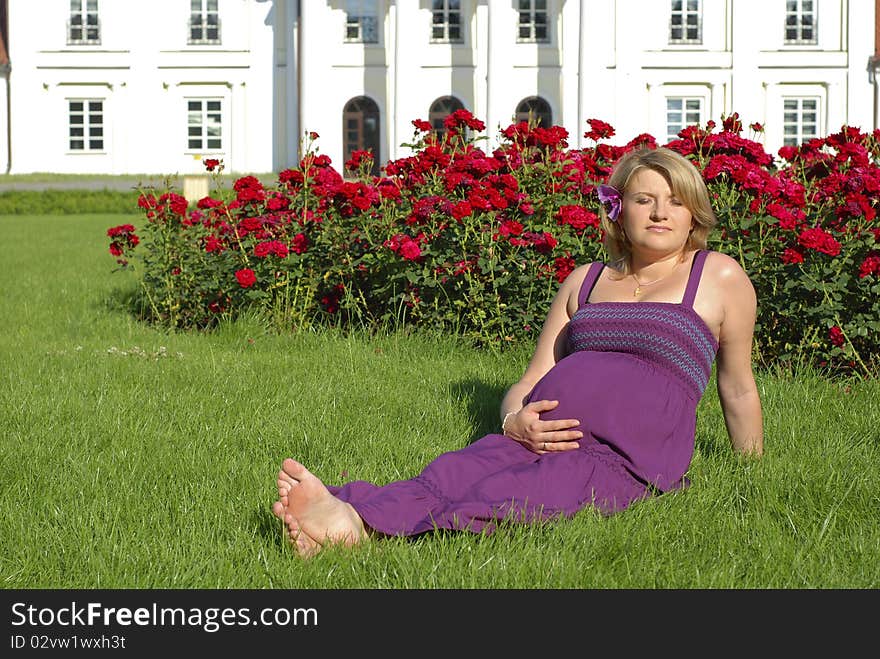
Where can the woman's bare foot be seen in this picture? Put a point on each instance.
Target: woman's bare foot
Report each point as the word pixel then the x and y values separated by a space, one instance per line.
pixel 314 517
pixel 306 546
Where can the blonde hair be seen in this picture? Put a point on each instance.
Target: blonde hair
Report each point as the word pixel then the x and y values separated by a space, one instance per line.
pixel 684 180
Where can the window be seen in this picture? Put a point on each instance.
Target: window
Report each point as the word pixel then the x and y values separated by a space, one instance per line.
pixel 204 21
pixel 535 111
pixel 800 22
pixel 533 21
pixel 682 112
pixel 204 120
pixel 361 21
pixel 86 124
pixel 685 25
pixel 360 129
pixel 800 120
pixel 440 109
pixel 446 21
pixel 83 26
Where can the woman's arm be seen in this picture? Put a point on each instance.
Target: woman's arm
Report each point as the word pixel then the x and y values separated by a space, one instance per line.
pixel 740 402
pixel 523 422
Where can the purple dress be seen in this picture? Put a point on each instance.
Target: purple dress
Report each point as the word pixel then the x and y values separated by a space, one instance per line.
pixel 633 375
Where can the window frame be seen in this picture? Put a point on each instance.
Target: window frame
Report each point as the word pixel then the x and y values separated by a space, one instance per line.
pixel 360 109
pixel 797 13
pixel 531 13
pixel 525 115
pixel 200 19
pixel 446 11
pixel 88 124
pixel 436 113
pixel 84 13
pixel 684 12
pixel 358 15
pixel 685 99
pixel 800 137
pixel 205 112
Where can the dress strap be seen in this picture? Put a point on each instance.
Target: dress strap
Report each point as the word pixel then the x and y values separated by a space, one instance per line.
pixel 694 278
pixel 590 280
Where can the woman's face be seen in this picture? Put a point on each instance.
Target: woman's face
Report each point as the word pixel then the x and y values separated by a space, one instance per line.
pixel 655 221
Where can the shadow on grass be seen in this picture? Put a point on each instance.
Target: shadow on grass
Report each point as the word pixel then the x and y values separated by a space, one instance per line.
pixel 483 401
pixel 269 527
pixel 127 299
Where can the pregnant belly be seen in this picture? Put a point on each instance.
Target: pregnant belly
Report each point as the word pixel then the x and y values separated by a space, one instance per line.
pixel 618 398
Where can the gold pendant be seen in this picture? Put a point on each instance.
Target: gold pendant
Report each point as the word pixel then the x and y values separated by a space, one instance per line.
pixel 637 291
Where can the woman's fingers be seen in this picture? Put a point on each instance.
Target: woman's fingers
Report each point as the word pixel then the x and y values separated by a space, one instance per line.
pixel 559 424
pixel 552 434
pixel 550 447
pixel 542 405
pixel 539 406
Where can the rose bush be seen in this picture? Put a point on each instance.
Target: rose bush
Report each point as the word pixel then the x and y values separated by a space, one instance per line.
pixel 461 240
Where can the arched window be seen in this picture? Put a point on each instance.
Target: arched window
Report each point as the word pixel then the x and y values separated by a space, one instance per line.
pixel 440 109
pixel 360 129
pixel 535 111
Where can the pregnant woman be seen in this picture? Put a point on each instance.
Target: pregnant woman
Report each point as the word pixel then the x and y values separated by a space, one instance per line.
pixel 605 412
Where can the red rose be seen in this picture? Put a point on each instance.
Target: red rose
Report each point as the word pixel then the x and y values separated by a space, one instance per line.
pixel 819 240
pixel 791 255
pixel 211 164
pixel 147 202
pixel 300 243
pixel 835 334
pixel 598 130
pixel 421 125
pixel 563 266
pixel 274 247
pixel 213 244
pixel 177 203
pixel 410 250
pixel 246 277
pixel 577 216
pixel 870 266
pixel 510 228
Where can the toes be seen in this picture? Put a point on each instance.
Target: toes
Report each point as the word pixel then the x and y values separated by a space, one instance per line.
pixel 294 469
pixel 279 510
pixel 284 477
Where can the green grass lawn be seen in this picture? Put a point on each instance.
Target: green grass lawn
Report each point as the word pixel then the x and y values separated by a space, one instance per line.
pixel 135 458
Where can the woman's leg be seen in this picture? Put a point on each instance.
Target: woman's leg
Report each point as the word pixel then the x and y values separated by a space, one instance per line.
pixel 316 514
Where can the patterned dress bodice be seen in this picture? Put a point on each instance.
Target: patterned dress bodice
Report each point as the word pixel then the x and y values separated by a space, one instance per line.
pixel 671 336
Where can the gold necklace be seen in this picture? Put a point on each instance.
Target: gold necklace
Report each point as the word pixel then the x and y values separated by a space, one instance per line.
pixel 650 283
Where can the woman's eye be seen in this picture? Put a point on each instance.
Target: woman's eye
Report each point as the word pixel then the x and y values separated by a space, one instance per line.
pixel 675 202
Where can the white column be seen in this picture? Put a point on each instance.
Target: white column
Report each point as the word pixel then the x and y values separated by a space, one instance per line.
pixel 394 74
pixel 581 73
pixel 303 33
pixel 491 74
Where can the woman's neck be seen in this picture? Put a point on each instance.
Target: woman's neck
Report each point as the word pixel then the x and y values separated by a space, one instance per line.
pixel 648 267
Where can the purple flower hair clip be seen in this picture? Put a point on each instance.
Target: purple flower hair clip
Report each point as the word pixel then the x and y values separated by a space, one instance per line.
pixel 610 198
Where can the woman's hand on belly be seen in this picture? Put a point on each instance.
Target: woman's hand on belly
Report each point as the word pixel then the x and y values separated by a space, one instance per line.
pixel 543 436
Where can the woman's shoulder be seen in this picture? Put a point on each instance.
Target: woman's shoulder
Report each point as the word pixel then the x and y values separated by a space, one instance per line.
pixel 723 266
pixel 580 272
pixel 726 275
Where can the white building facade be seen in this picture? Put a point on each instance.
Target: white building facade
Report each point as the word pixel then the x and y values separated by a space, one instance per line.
pixel 116 87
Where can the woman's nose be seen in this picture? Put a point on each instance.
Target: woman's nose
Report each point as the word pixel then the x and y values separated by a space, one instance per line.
pixel 658 212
